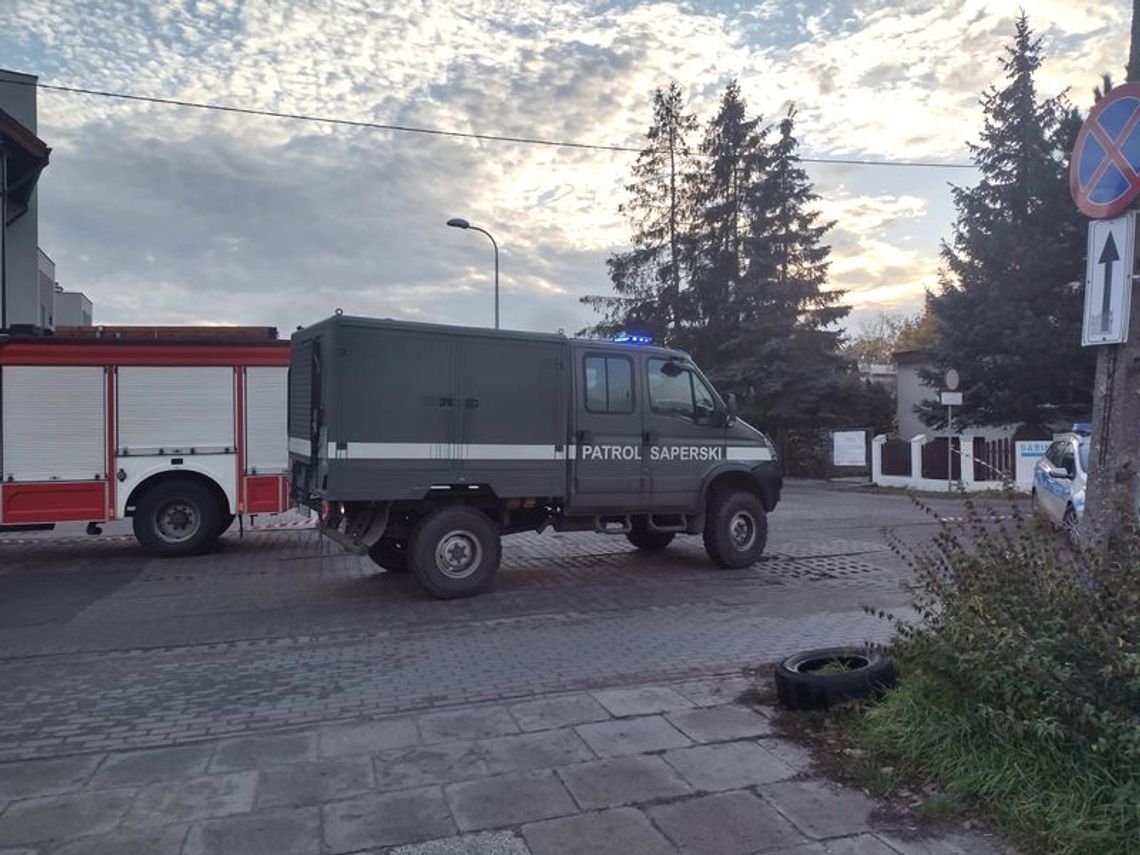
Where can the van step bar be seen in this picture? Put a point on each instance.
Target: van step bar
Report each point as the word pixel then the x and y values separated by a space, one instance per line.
pixel 617 524
pixel 668 523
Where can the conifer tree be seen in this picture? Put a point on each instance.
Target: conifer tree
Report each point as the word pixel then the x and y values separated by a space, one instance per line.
pixel 1008 315
pixel 649 279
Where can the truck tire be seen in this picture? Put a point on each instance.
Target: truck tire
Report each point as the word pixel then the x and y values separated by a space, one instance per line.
pixel 455 552
pixel 390 554
pixel 224 523
pixel 649 541
pixel 177 517
pixel 818 679
pixel 736 529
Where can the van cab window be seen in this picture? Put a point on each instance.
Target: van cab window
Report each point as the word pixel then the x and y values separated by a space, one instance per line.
pixel 677 391
pixel 609 384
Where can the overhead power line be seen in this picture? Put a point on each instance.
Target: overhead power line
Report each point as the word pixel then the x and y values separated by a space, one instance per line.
pixel 441 132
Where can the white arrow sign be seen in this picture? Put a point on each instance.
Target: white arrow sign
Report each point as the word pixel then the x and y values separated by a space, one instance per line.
pixel 1108 280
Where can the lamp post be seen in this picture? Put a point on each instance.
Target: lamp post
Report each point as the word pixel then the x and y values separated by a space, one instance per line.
pixel 460 223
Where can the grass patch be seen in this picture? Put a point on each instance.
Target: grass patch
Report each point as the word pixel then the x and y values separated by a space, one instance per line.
pixel 1048 794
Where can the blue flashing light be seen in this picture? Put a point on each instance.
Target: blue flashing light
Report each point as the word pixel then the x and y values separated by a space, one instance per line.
pixel 1083 428
pixel 630 338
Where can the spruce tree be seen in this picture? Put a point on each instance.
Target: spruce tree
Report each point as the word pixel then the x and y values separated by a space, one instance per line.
pixel 649 279
pixel 1008 315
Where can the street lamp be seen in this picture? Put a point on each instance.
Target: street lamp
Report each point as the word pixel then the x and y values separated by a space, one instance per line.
pixel 460 223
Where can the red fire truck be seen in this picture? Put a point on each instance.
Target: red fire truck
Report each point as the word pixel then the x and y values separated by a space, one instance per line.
pixel 178 428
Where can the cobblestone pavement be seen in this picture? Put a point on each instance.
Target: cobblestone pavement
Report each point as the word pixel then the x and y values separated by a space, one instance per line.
pixel 666 768
pixel 103 648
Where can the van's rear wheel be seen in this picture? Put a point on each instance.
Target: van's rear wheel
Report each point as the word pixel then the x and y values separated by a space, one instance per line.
pixel 390 554
pixel 177 517
pixel 455 552
pixel 736 529
pixel 648 540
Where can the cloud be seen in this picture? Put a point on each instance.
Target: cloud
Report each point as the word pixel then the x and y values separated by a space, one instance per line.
pixel 165 214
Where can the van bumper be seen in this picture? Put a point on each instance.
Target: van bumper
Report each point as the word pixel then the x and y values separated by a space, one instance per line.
pixel 770 480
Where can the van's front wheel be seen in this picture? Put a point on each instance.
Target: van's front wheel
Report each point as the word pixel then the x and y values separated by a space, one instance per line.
pixel 455 552
pixel 736 529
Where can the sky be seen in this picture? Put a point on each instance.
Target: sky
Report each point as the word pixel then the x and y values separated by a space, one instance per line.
pixel 166 215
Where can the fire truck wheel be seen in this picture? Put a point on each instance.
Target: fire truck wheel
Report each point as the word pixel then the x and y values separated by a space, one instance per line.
pixel 390 554
pixel 455 552
pixel 736 529
pixel 224 523
pixel 177 517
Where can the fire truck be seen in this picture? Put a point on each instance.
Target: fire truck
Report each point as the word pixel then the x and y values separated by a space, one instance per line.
pixel 179 429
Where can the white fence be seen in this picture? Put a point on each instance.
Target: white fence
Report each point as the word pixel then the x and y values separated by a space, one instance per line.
pixel 1025 457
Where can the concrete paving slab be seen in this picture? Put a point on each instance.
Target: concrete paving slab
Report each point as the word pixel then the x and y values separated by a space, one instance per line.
pixel 60 818
pixel 127 841
pixel 194 798
pixel 819 808
pixel 483 843
pixel 31 778
pixel 623 831
pixel 469 723
pixel 159 764
pixel 508 800
pixel 622 781
pixel 444 763
pixel 950 844
pixel 550 713
pixel 728 766
pixel 251 752
pixel 718 724
pixel 386 819
pixel 860 844
pixel 714 691
pixel 527 751
pixel 291 831
pixel 735 823
pixel 795 755
pixel 313 781
pixel 631 736
pixel 644 700
pixel 369 737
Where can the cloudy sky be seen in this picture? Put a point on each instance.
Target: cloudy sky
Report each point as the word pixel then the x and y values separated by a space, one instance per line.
pixel 173 215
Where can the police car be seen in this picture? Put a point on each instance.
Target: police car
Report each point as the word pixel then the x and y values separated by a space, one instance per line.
pixel 1060 477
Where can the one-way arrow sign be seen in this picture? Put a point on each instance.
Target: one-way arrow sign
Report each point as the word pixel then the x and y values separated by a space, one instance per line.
pixel 1108 280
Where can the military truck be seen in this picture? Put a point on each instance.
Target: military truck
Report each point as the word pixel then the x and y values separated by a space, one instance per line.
pixel 422 444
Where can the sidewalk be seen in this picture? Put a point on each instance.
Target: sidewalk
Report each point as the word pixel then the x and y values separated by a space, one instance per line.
pixel 631 771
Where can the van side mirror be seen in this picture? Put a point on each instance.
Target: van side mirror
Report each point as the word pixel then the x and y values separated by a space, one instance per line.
pixel 731 411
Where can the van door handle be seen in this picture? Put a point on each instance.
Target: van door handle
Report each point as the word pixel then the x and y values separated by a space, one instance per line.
pixel 471 403
pixel 447 402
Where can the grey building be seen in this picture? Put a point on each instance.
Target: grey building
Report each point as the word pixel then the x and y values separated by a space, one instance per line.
pixel 72 309
pixel 24 302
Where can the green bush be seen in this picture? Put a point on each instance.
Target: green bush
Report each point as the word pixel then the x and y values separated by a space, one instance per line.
pixel 1021 682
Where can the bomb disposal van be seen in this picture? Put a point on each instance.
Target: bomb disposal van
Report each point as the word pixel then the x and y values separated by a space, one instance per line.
pixel 423 444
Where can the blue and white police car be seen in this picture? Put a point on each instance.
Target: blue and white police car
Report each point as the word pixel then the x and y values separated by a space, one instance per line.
pixel 1059 480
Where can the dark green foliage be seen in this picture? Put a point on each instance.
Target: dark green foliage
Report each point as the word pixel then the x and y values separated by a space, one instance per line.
pixel 1008 316
pixel 650 279
pixel 1021 682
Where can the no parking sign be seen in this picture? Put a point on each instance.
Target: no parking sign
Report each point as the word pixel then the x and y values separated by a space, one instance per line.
pixel 1105 174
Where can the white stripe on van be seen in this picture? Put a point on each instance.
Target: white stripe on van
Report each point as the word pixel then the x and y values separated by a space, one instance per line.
pixel 443 451
pixel 300 447
pixel 749 452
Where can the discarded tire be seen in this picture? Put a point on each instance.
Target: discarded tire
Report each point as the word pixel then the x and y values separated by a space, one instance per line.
pixel 817 679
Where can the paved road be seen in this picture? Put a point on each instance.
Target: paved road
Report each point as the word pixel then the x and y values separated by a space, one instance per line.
pixel 103 648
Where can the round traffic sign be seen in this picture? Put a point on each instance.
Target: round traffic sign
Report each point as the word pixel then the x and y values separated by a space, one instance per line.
pixel 1105 174
pixel 952 379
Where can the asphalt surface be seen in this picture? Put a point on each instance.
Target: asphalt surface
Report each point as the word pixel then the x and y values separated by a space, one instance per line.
pixel 104 648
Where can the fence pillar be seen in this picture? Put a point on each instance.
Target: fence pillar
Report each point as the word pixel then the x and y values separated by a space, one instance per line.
pixel 877 458
pixel 966 452
pixel 916 445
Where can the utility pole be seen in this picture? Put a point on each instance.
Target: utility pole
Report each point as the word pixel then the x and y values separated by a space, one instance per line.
pixel 1112 493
